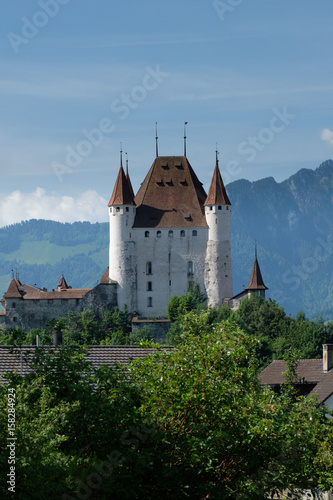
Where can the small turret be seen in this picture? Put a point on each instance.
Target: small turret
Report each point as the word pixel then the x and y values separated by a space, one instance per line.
pixel 256 284
pixel 218 275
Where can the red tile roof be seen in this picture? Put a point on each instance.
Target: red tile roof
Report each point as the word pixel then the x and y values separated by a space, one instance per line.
pixel 62 283
pixel 170 196
pixel 256 281
pixel 122 193
pixel 217 194
pixel 13 291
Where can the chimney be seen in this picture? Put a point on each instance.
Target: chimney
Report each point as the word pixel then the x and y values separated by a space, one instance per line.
pixel 327 357
pixel 57 338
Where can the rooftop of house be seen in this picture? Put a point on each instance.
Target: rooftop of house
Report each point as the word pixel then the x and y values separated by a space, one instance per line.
pixel 315 376
pixel 18 359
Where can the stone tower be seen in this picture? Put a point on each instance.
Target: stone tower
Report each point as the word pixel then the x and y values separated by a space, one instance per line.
pixel 122 258
pixel 218 273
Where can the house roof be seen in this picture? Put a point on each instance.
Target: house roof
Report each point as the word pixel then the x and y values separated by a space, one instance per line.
pixel 170 196
pixel 122 192
pixel 310 371
pixel 18 359
pixel 256 281
pixel 217 194
pixel 28 292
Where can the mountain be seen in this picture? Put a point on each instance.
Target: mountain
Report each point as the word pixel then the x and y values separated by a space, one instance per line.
pixel 291 221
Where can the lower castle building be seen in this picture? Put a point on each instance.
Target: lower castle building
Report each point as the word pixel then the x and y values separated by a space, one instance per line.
pixel 170 233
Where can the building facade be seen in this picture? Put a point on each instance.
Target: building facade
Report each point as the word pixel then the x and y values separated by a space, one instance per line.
pixel 170 233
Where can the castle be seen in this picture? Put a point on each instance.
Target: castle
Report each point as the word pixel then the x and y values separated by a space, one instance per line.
pixel 169 234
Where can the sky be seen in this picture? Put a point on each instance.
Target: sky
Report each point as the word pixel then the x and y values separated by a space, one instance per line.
pixel 80 77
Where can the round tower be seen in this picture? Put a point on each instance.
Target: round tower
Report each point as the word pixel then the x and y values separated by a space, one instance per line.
pixel 218 272
pixel 122 262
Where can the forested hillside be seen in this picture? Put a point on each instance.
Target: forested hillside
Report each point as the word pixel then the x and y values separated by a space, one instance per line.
pixel 292 223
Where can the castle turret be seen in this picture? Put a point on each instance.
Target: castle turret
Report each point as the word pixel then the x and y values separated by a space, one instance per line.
pixel 122 262
pixel 256 284
pixel 218 273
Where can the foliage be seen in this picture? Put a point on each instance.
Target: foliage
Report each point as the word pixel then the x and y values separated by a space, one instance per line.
pixel 186 423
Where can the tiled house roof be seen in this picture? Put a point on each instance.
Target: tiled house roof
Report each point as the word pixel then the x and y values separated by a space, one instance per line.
pixel 217 194
pixel 13 291
pixel 62 283
pixel 310 373
pixel 170 196
pixel 17 359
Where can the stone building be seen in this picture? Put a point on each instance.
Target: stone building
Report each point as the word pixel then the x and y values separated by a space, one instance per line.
pixel 168 234
pixel 171 232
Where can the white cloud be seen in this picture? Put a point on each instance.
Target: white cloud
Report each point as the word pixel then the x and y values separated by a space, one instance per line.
pixel 18 206
pixel 327 136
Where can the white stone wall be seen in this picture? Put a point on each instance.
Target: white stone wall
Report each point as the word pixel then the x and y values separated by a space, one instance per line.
pixel 170 255
pixel 218 273
pixel 122 254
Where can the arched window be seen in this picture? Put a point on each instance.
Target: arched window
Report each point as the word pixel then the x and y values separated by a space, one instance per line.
pixel 158 234
pixel 149 302
pixel 182 233
pixel 146 234
pixel 149 268
pixel 194 232
pixel 170 233
pixel 149 286
pixel 190 268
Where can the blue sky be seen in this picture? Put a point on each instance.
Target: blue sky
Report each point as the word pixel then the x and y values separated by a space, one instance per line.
pixel 255 76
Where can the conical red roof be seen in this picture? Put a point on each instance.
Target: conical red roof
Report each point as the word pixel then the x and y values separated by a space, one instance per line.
pixel 217 194
pixel 13 291
pixel 122 193
pixel 62 283
pixel 256 281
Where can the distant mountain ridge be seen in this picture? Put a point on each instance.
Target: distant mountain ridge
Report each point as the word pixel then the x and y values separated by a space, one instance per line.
pixel 291 221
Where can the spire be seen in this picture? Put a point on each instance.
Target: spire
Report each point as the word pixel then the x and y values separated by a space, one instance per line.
pixel 217 194
pixel 156 139
pixel 256 281
pixel 122 193
pixel 62 283
pixel 121 154
pixel 128 179
pixel 185 123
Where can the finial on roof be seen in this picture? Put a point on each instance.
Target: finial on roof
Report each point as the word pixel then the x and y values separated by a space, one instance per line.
pixel 126 165
pixel 217 156
pixel 121 154
pixel 185 123
pixel 156 139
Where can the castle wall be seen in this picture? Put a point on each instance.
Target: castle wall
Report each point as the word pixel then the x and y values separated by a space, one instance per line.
pixel 175 260
pixel 35 313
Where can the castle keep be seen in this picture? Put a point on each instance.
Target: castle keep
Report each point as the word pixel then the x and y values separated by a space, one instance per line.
pixel 170 233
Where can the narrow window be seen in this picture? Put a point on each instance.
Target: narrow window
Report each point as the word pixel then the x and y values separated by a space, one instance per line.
pixel 219 207
pixel 127 209
pixel 118 209
pixel 170 233
pixel 158 234
pixel 149 302
pixel 227 208
pixel 182 233
pixel 194 232
pixel 190 268
pixel 13 304
pixel 149 269
pixel 146 234
pixel 210 208
pixel 149 286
